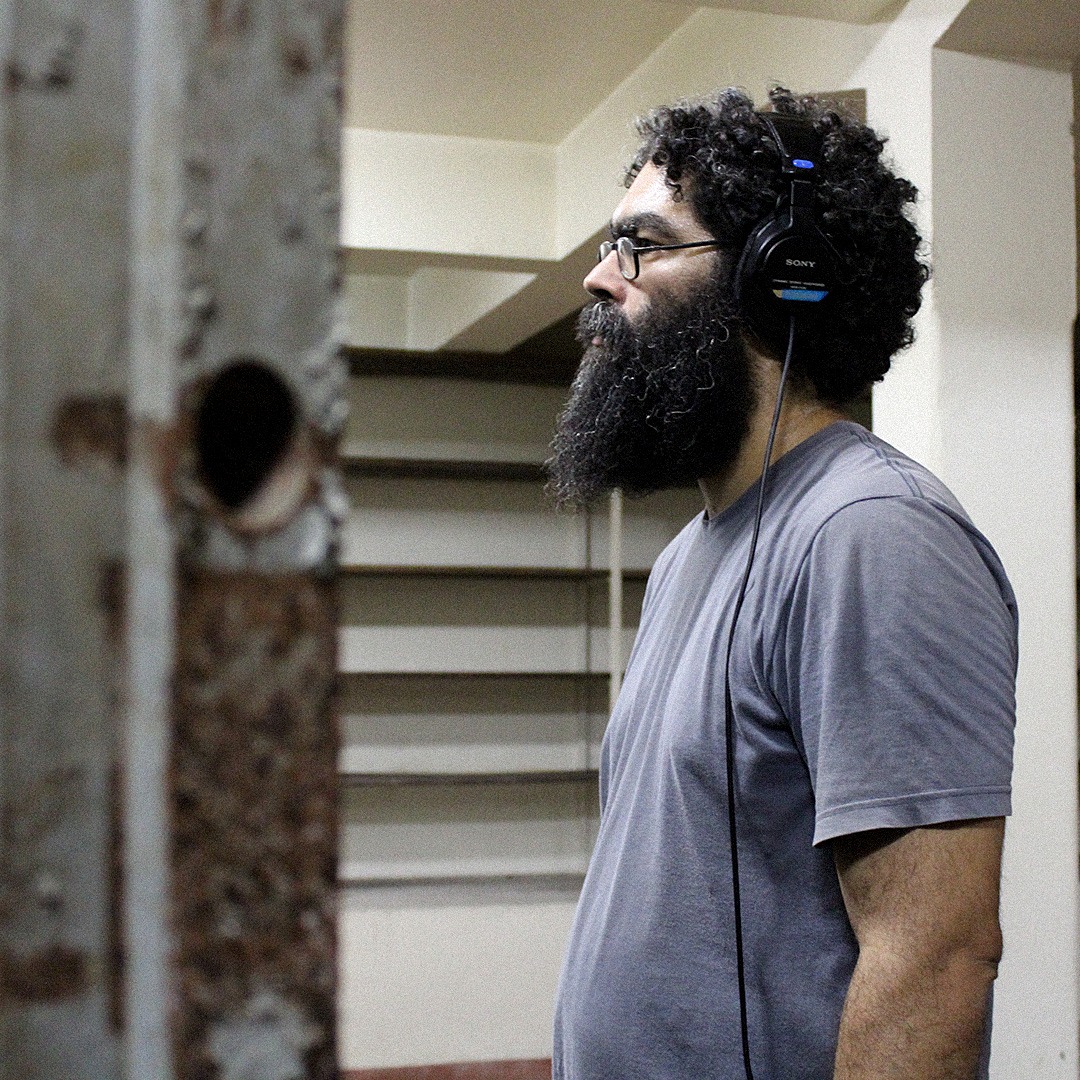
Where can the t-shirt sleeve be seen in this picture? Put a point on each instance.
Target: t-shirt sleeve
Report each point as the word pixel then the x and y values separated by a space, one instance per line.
pixel 897 668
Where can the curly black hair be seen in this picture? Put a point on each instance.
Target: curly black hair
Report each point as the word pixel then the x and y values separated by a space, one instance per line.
pixel 717 152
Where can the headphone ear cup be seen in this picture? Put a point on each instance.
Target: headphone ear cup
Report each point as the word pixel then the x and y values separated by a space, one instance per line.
pixel 784 270
pixel 750 290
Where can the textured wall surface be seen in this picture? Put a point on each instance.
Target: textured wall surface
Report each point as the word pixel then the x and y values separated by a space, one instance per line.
pixel 64 188
pixel 256 499
pixel 170 401
pixel 254 784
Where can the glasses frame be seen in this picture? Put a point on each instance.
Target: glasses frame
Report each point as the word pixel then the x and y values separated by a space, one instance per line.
pixel 627 252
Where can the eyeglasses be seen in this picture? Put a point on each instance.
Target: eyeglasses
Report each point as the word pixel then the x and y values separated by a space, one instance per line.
pixel 627 252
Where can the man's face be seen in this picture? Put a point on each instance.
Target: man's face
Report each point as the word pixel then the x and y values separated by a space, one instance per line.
pixel 664 392
pixel 648 214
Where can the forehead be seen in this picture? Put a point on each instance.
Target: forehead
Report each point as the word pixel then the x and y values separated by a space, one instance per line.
pixel 650 201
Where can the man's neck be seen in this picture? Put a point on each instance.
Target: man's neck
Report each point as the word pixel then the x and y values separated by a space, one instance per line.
pixel 800 417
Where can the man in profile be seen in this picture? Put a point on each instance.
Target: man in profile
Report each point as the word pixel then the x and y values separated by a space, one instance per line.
pixel 835 665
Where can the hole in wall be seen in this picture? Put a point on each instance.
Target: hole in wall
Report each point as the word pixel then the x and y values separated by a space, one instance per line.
pixel 245 425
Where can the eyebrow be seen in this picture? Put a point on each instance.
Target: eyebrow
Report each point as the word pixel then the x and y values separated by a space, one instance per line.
pixel 646 220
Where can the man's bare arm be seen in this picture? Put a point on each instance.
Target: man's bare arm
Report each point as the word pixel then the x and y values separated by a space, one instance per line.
pixel 924 907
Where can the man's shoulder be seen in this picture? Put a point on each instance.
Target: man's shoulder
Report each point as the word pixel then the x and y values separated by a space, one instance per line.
pixel 845 464
pixel 848 490
pixel 873 511
pixel 843 483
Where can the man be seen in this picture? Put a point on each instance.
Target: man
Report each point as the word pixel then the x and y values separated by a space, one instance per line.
pixel 872 663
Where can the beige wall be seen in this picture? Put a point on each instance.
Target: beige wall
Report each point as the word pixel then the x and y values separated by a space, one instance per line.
pixel 486 998
pixel 1005 256
pixel 983 398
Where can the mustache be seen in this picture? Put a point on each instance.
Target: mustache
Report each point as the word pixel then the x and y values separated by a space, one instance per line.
pixel 603 319
pixel 600 319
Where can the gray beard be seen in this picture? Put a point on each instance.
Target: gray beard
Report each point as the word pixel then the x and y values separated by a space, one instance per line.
pixel 656 406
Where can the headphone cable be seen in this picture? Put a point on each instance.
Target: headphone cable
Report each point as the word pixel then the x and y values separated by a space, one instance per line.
pixel 729 712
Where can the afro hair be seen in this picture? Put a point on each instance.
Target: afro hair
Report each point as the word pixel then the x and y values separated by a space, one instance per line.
pixel 719 154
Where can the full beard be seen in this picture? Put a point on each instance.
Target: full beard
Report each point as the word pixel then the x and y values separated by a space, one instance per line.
pixel 655 406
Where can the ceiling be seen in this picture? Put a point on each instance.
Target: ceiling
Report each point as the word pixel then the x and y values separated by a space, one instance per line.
pixel 496 69
pixel 530 73
pixel 507 69
pixel 1047 31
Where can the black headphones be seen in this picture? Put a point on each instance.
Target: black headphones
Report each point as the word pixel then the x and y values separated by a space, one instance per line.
pixel 788 266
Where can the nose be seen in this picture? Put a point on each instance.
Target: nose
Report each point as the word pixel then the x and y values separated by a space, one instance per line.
pixel 604 280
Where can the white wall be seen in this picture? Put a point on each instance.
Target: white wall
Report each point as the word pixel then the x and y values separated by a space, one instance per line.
pixel 1005 259
pixel 983 398
pixel 456 981
pixel 403 191
pixel 898 79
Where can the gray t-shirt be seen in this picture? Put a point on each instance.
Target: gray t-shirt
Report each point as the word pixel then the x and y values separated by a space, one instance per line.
pixel 873 678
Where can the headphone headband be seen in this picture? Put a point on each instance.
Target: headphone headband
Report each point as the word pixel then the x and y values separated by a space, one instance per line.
pixel 796 140
pixel 787 266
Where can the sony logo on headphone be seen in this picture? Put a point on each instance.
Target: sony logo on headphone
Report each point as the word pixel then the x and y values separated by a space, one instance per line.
pixel 800 262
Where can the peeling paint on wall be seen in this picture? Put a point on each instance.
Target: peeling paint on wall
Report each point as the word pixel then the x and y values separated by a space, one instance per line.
pixel 65 122
pixel 52 974
pixel 46 60
pixel 255 482
pixel 226 233
pixel 37 964
pixel 258 500
pixel 268 1039
pixel 89 430
pixel 254 826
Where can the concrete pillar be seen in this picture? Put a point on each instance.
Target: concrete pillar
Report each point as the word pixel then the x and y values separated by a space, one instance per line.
pixel 65 131
pixel 172 397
